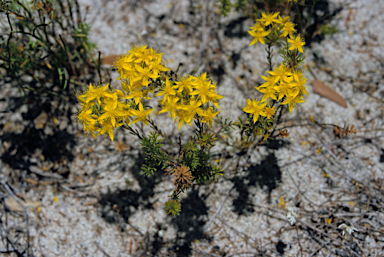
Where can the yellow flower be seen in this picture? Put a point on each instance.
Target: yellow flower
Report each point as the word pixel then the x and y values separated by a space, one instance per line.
pixel 96 92
pixel 171 106
pixel 288 29
pixel 269 92
pixel 192 109
pixel 144 74
pixel 203 90
pixel 168 90
pixel 122 65
pixel 137 95
pixel 111 112
pixel 258 36
pixel 185 83
pixel 255 108
pixel 282 21
pixel 182 116
pixel 106 126
pixel 84 115
pixel 269 111
pixel 257 27
pixel 267 19
pixel 292 101
pixel 141 115
pixel 208 116
pixel 144 56
pixel 297 43
pixel 137 50
pixel 213 97
pixel 284 89
pixel 270 81
pixel 299 83
pixel 281 74
pixel 91 127
pixel 200 79
pixel 157 67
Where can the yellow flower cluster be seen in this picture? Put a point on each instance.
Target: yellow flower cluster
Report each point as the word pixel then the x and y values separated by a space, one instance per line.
pixel 270 24
pixel 190 97
pixel 142 72
pixel 139 66
pixel 283 82
pixel 101 110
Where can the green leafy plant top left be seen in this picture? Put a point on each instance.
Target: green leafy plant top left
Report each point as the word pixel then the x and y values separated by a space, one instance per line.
pixel 48 42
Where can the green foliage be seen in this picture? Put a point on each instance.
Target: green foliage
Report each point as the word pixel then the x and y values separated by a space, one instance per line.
pixel 327 30
pixel 154 156
pixel 206 139
pixel 216 171
pixel 240 4
pixel 81 36
pixel 198 159
pixel 32 46
pixel 190 155
pixel 173 207
pixel 225 7
pixel 195 155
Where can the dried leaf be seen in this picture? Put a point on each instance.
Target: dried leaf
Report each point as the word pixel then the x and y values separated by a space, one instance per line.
pixel 346 131
pixel 109 60
pixel 323 90
pixel 13 205
pixel 283 133
pixel 40 172
pixel 120 146
pixel 34 182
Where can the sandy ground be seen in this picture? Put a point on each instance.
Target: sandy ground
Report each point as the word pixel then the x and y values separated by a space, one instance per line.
pixel 105 207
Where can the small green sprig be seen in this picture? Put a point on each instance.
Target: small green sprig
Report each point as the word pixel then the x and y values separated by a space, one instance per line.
pixel 33 47
pixel 173 207
pixel 225 7
pixel 154 155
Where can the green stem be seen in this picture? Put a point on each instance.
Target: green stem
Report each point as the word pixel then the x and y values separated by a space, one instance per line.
pixel 298 239
pixel 26 9
pixel 300 18
pixel 93 59
pixel 310 15
pixel 133 131
pixel 154 126
pixel 269 57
